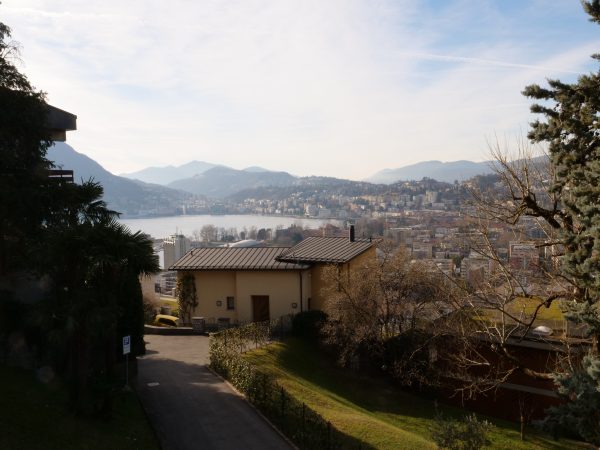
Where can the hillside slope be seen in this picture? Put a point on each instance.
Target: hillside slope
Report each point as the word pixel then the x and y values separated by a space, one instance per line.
pixel 121 194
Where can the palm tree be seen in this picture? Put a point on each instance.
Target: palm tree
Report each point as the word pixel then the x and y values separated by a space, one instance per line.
pixel 95 264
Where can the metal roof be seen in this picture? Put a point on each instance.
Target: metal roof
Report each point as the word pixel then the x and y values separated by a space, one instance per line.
pixel 235 258
pixel 326 249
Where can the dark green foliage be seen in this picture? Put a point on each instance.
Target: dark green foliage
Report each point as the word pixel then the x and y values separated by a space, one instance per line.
pixel 467 434
pixel 581 411
pixel 186 297
pixel 406 358
pixel 571 128
pixel 23 163
pixel 308 324
pixel 63 233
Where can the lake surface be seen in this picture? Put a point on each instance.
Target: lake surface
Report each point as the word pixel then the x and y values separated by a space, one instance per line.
pixel 162 227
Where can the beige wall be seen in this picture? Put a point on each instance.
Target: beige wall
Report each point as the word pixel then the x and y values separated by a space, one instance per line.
pixel 318 282
pixel 282 287
pixel 210 287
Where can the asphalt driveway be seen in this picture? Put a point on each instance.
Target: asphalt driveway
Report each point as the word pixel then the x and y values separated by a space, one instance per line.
pixel 189 407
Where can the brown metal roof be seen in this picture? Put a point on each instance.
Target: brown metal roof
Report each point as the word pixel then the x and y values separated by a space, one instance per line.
pixel 326 249
pixel 235 258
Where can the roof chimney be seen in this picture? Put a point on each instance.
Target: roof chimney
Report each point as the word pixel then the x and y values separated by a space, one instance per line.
pixel 351 233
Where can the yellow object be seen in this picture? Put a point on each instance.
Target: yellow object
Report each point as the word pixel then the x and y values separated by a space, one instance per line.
pixel 163 320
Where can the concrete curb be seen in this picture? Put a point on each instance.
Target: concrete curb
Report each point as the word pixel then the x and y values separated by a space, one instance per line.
pixel 239 394
pixel 171 331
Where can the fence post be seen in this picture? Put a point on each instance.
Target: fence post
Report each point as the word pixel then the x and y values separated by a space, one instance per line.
pixel 282 408
pixel 303 422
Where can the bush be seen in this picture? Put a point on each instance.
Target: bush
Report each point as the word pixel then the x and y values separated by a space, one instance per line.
pixel 308 324
pixel 469 433
pixel 407 359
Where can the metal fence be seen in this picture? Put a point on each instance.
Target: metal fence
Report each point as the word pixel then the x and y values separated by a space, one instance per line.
pixel 300 423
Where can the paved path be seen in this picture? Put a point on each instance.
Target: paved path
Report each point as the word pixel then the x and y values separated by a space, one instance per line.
pixel 191 408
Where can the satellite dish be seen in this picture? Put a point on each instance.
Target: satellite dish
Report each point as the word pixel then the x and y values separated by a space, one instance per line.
pixel 542 330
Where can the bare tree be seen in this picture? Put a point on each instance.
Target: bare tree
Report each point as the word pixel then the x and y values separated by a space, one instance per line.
pixel 208 233
pixel 394 312
pixel 508 299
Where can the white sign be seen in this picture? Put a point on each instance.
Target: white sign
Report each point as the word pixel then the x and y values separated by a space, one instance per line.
pixel 126 345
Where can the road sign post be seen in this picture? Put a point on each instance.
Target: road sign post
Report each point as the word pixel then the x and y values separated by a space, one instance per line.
pixel 126 351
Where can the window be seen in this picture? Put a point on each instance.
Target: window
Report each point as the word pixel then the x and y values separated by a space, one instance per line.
pixel 230 303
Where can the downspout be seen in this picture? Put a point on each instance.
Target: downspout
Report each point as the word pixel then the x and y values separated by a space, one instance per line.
pixel 301 305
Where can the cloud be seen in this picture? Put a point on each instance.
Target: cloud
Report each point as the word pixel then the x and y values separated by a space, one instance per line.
pixel 340 88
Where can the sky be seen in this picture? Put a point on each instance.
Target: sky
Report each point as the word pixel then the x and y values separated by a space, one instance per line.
pixel 341 88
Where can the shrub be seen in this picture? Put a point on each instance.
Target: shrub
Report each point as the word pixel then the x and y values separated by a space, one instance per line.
pixel 308 324
pixel 469 433
pixel 407 358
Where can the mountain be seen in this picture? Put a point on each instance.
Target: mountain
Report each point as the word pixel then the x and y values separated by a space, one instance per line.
pixel 129 197
pixel 168 174
pixel 438 170
pixel 255 169
pixel 310 186
pixel 221 182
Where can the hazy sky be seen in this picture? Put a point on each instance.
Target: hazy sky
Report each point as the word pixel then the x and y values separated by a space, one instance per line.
pixel 341 88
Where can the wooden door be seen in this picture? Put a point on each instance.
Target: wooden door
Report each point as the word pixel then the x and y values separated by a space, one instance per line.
pixel 260 308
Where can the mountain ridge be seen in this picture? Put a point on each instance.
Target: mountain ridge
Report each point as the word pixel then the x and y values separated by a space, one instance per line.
pixel 221 181
pixel 130 197
pixel 167 174
pixel 448 172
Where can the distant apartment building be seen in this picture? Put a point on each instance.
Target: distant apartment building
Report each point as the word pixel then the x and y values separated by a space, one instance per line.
pixel 523 256
pixel 446 266
pixel 324 213
pixel 474 269
pixel 431 197
pixel 402 235
pixel 174 248
pixel 421 250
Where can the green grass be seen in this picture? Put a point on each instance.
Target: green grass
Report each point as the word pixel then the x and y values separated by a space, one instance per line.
pixel 33 416
pixel 372 411
pixel 528 307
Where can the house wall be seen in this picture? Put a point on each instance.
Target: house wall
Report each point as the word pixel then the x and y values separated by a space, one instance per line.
pixel 282 287
pixel 213 286
pixel 318 282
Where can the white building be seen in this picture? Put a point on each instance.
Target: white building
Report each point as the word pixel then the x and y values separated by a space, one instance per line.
pixel 175 247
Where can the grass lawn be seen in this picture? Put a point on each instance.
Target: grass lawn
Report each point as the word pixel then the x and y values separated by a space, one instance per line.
pixel 528 306
pixel 372 411
pixel 33 416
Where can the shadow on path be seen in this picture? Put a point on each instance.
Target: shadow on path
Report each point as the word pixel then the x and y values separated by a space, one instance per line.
pixel 191 408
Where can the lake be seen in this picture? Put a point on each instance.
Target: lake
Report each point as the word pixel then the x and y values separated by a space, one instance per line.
pixel 162 227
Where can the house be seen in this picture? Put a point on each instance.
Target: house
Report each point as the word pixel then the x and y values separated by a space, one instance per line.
pixel 239 285
pixel 25 286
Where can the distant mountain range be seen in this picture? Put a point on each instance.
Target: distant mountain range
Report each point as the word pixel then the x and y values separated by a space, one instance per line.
pixel 168 174
pixel 220 182
pixel 438 170
pixel 216 180
pixel 161 190
pixel 121 194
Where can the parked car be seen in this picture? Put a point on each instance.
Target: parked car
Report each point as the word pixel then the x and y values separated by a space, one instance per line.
pixel 164 320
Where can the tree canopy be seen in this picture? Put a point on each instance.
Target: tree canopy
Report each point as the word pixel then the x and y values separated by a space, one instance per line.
pixel 63 233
